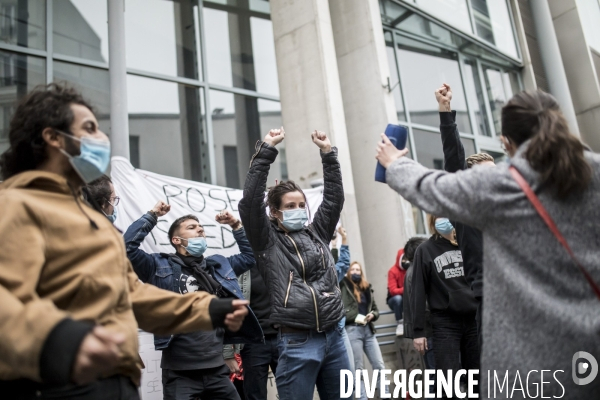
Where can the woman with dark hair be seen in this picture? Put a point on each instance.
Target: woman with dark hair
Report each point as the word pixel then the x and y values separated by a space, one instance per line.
pixel 298 270
pixel 541 310
pixel 102 197
pixel 361 312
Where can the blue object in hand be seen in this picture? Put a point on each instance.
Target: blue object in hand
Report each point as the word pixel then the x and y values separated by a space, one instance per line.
pixel 397 135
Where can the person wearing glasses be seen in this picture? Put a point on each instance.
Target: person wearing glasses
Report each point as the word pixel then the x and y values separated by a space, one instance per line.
pixel 102 197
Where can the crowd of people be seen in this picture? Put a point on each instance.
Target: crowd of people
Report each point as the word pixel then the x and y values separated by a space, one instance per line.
pixel 75 289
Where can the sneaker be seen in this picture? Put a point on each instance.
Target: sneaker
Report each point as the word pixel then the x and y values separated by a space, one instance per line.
pixel 400 328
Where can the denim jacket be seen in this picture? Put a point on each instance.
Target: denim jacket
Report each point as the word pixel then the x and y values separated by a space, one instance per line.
pixel 159 269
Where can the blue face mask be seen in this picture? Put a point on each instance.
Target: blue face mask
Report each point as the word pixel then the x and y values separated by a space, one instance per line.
pixel 113 217
pixel 93 158
pixel 443 226
pixel 196 246
pixel 294 220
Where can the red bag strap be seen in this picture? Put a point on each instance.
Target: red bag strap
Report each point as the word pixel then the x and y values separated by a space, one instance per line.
pixel 535 201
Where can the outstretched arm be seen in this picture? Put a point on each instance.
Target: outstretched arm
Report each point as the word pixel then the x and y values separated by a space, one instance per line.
pixel 252 206
pixel 328 214
pixel 244 260
pixel 142 262
pixel 454 152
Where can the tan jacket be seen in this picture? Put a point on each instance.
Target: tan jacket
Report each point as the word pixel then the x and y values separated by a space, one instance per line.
pixel 54 265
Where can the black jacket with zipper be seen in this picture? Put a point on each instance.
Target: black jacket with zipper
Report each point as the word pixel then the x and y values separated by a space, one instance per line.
pixel 439 278
pixel 297 267
pixel 470 240
pixel 351 304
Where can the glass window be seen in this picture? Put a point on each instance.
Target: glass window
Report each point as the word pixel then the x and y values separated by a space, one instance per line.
pixel 498 157
pixel 23 23
pixel 493 24
pixel 589 12
pixel 80 29
pixel 263 6
pixel 93 83
pixel 422 74
pixel 476 98
pixel 469 146
pixel 263 52
pixel 230 47
pixel 497 96
pixel 453 12
pixel 395 80
pixel 169 119
pixel 163 37
pixel 238 123
pixel 19 74
pixel 429 148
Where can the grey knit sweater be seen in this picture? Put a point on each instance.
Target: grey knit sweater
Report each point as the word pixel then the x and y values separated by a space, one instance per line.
pixel 538 308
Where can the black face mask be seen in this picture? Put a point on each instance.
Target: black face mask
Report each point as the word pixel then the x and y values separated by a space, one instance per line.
pixel 355 278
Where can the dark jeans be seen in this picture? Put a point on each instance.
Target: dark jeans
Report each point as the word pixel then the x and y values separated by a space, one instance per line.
pixel 395 304
pixel 117 387
pixel 429 359
pixel 256 359
pixel 203 384
pixel 455 344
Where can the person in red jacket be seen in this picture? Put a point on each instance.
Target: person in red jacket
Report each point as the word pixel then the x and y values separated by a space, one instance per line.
pixel 396 290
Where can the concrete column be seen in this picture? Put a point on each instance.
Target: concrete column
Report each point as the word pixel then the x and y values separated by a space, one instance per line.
pixel 552 60
pixel 119 119
pixel 311 98
pixel 385 218
pixel 579 67
pixel 528 73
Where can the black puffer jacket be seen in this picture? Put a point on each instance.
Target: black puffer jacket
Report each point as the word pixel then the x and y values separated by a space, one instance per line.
pixel 297 267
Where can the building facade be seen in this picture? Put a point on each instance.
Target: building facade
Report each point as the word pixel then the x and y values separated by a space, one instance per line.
pixel 191 85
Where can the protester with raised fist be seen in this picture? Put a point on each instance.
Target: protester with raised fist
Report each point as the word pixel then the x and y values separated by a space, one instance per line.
pixel 192 364
pixel 541 300
pixel 469 239
pixel 71 303
pixel 294 259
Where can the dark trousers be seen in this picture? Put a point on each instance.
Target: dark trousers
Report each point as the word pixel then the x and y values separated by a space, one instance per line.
pixel 203 384
pixel 256 360
pixel 116 388
pixel 455 344
pixel 479 318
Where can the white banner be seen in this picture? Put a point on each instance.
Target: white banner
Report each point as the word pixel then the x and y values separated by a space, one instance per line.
pixel 139 191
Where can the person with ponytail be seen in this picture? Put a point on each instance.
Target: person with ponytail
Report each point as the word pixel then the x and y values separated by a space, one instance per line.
pixel 540 308
pixel 361 312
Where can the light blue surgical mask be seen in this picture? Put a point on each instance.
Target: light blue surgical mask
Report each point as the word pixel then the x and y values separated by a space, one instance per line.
pixel 196 246
pixel 93 158
pixel 113 217
pixel 443 226
pixel 294 220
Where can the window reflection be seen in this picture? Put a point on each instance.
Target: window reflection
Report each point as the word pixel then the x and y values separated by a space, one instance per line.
pixel 422 74
pixel 238 123
pixel 80 29
pixel 163 37
pixel 23 23
pixel 19 74
pixel 475 96
pixel 263 54
pixel 493 24
pixel 395 80
pixel 496 94
pixel 453 12
pixel 168 118
pixel 429 148
pixel 92 83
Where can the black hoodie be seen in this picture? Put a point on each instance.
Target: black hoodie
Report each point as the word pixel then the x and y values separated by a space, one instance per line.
pixel 439 277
